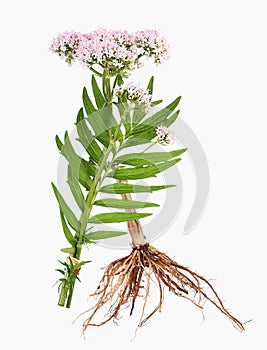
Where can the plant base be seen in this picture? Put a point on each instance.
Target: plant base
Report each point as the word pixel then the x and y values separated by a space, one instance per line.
pixel 125 278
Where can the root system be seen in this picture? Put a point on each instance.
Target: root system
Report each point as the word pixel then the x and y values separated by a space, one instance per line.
pixel 130 277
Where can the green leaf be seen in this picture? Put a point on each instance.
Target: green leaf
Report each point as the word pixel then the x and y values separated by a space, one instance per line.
pixel 159 118
pixel 126 119
pixel 80 264
pixel 119 80
pixel 140 139
pixel 99 98
pixel 70 250
pixel 87 140
pixel 66 211
pixel 88 105
pixel 59 143
pixel 86 169
pixel 97 235
pixel 123 203
pixel 137 159
pixel 150 86
pixel 172 119
pixel 75 189
pixel 141 172
pixel 99 128
pixel 80 116
pixel 104 124
pixel 126 188
pixel 155 103
pixel 110 122
pixel 138 114
pixel 80 167
pixel 66 230
pixel 116 217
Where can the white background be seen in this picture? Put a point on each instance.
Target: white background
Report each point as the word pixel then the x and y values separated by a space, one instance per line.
pixel 218 64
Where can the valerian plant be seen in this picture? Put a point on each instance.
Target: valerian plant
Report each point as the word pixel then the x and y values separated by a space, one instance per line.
pixel 120 118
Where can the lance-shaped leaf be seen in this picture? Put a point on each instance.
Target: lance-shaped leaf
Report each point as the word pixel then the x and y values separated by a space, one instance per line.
pixel 66 230
pixel 123 203
pixel 95 120
pixel 150 86
pixel 80 167
pixel 172 119
pixel 75 161
pixel 142 172
pixel 80 116
pixel 159 118
pixel 59 143
pixel 88 105
pixel 67 212
pixel 75 189
pixel 127 188
pixel 140 139
pixel 140 159
pixel 99 98
pixel 155 103
pixel 68 250
pixel 86 138
pixel 127 121
pixel 97 235
pixel 120 80
pixel 161 115
pixel 110 122
pixel 99 128
pixel 108 218
pixel 138 114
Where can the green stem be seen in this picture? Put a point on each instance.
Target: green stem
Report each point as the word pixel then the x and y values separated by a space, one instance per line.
pixel 114 85
pixel 63 295
pixel 96 72
pixel 70 289
pixel 84 220
pixel 67 290
pixel 148 147
pixel 109 93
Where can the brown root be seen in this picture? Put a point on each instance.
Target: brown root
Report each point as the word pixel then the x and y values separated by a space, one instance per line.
pixel 124 279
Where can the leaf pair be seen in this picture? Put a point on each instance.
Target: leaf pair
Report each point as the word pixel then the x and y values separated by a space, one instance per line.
pixel 101 120
pixel 142 133
pixel 145 165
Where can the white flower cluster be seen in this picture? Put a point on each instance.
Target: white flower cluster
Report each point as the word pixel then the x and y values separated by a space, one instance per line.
pixel 164 136
pixel 66 46
pixel 117 51
pixel 134 94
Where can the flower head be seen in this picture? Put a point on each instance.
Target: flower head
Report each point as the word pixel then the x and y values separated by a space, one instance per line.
pixel 164 136
pixel 66 45
pixel 151 44
pixel 135 94
pixel 116 51
pixel 111 49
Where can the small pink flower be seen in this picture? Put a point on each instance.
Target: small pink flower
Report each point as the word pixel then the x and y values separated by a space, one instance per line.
pixel 66 45
pixel 164 136
pixel 151 44
pixel 135 94
pixel 116 50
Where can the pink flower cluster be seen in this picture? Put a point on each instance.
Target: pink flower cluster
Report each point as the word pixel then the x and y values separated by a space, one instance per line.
pixel 135 94
pixel 111 49
pixel 66 45
pixel 151 44
pixel 164 136
pixel 114 50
